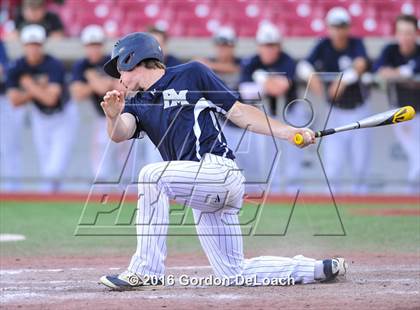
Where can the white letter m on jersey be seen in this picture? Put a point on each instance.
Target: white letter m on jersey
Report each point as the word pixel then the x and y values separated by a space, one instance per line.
pixel 171 98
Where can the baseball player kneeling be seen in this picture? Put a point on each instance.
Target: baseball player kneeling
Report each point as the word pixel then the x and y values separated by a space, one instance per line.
pixel 176 108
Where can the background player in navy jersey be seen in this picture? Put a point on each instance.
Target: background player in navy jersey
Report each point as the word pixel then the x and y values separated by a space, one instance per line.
pixel 38 79
pixel 89 82
pixel 161 36
pixel 398 64
pixel 224 62
pixel 341 53
pixel 36 12
pixel 176 108
pixel 271 73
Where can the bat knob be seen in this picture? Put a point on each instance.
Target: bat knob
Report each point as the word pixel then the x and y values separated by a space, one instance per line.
pixel 298 139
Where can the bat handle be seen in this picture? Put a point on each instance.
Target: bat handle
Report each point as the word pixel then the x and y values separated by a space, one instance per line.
pixel 298 138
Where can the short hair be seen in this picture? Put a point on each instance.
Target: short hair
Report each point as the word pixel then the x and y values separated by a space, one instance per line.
pixel 411 19
pixel 152 64
pixel 33 4
pixel 157 30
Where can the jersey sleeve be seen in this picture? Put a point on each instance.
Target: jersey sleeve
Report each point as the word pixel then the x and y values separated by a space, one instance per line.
pixel 55 22
pixel 78 72
pixel 56 72
pixel 215 90
pixel 12 80
pixel 416 69
pixel 247 69
pixel 290 68
pixel 384 59
pixel 360 49
pixel 316 53
pixel 129 107
pixel 3 55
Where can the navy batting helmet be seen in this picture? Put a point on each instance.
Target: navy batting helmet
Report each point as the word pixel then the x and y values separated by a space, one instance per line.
pixel 129 51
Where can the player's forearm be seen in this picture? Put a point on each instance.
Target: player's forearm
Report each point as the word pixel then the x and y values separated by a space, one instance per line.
pixel 47 96
pixel 360 65
pixel 390 73
pixel 117 130
pixel 18 98
pixel 80 91
pixel 253 119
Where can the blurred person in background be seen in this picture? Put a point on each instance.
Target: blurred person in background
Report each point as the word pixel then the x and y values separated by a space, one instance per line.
pixel 162 37
pixel 90 83
pixel 36 12
pixel 271 74
pixel 11 126
pixel 341 53
pixel 225 64
pixel 398 64
pixel 38 79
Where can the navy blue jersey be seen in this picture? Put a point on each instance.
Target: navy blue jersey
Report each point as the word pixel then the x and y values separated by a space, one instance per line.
pixel 285 65
pixel 78 74
pixel 408 92
pixel 50 70
pixel 51 22
pixel 230 79
pixel 325 58
pixel 171 61
pixel 178 113
pixel 3 69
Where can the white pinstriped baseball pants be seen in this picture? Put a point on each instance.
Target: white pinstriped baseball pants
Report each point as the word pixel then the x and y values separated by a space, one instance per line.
pixel 213 188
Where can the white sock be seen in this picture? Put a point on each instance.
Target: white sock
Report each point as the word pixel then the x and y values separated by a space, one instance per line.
pixel 319 270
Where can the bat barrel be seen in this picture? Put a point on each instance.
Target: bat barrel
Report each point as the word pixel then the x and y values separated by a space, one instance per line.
pixel 386 118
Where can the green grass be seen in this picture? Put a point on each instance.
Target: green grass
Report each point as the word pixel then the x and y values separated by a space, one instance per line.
pixel 50 229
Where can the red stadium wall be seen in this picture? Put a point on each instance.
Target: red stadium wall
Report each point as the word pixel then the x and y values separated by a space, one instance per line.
pixel 189 18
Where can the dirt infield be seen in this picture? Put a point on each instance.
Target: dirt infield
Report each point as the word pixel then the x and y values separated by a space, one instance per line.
pixel 380 281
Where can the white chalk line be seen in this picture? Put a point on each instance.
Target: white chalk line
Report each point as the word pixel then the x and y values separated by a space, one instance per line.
pixel 11 237
pixel 29 270
pixel 395 268
pixel 33 298
pixel 385 292
pixel 399 280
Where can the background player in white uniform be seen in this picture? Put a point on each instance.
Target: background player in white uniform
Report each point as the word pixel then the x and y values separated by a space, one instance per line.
pixel 271 74
pixel 89 82
pixel 38 78
pixel 399 63
pixel 228 67
pixel 11 126
pixel 176 108
pixel 340 52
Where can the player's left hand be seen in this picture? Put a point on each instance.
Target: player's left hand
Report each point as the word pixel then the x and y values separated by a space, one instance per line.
pixel 307 134
pixel 26 81
pixel 276 85
pixel 91 74
pixel 113 103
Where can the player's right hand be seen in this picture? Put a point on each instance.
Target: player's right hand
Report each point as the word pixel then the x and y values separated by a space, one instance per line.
pixel 307 134
pixel 113 103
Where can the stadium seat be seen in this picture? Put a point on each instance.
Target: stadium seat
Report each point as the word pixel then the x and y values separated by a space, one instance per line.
pixel 201 17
